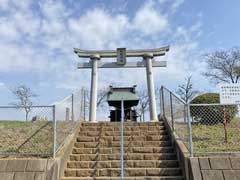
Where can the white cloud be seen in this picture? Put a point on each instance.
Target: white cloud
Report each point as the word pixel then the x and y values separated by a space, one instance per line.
pixel 19 20
pixel 53 9
pixel 23 20
pixel 177 64
pixel 8 30
pixel 149 20
pixel 4 89
pixel 2 84
pixel 162 1
pixel 22 5
pixel 176 4
pixel 97 28
pixel 21 59
pixel 196 26
pixel 188 34
pixel 4 4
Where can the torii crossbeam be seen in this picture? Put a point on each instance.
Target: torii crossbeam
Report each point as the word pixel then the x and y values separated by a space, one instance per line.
pixel 121 54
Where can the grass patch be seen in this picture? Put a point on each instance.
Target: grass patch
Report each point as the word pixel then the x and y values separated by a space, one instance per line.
pixel 210 138
pixel 32 137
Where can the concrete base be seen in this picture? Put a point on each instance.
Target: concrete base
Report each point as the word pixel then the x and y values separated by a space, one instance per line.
pixel 154 120
pixel 29 169
pixel 215 168
pixel 93 121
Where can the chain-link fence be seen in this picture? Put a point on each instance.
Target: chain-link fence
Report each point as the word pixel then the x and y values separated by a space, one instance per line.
pixel 69 112
pixel 27 130
pixel 41 130
pixel 72 107
pixel 203 128
pixel 174 110
pixel 215 128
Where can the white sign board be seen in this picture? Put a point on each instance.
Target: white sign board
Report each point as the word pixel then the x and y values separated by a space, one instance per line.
pixel 230 93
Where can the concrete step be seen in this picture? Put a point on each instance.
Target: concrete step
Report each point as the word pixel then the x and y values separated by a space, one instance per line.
pixel 118 133
pixel 167 149
pixel 126 138
pixel 102 124
pixel 111 172
pixel 128 156
pixel 127 178
pixel 127 164
pixel 126 144
pixel 118 128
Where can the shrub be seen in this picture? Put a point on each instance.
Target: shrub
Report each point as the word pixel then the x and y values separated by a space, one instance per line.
pixel 211 114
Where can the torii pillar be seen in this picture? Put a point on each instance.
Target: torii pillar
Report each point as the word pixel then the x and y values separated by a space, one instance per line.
pixel 121 54
pixel 94 83
pixel 151 90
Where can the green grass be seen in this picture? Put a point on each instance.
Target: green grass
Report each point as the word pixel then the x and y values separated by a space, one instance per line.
pixel 31 137
pixel 210 138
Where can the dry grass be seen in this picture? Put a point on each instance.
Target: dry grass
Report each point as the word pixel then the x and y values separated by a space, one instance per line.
pixel 31 137
pixel 210 138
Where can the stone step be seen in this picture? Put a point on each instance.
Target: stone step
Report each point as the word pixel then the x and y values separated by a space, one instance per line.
pixel 126 144
pixel 118 133
pixel 111 172
pixel 126 150
pixel 128 156
pixel 118 128
pixel 149 154
pixel 126 138
pixel 102 124
pixel 127 164
pixel 127 178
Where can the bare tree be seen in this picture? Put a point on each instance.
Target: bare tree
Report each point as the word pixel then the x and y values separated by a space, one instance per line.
pixel 143 103
pixel 186 91
pixel 24 97
pixel 223 66
pixel 101 97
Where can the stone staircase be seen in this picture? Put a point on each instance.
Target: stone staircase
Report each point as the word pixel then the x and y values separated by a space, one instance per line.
pixel 149 154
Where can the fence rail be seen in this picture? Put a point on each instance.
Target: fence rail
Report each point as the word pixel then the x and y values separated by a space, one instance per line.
pixel 203 128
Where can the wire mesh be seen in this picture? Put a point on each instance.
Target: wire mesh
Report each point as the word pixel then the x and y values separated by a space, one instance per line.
pixel 69 112
pixel 203 128
pixel 26 130
pixel 167 105
pixel 175 112
pixel 31 130
pixel 215 128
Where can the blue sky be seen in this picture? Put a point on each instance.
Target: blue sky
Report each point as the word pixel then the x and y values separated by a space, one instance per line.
pixel 37 40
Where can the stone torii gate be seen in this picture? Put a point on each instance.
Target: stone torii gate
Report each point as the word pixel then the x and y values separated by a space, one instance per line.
pixel 121 54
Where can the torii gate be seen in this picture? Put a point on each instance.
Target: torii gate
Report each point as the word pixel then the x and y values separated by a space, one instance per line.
pixel 121 54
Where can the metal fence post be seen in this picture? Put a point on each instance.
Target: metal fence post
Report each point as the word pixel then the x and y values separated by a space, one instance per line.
pixel 81 103
pixel 162 94
pixel 171 107
pixel 122 139
pixel 188 114
pixel 160 102
pixel 84 105
pixel 72 107
pixel 54 124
